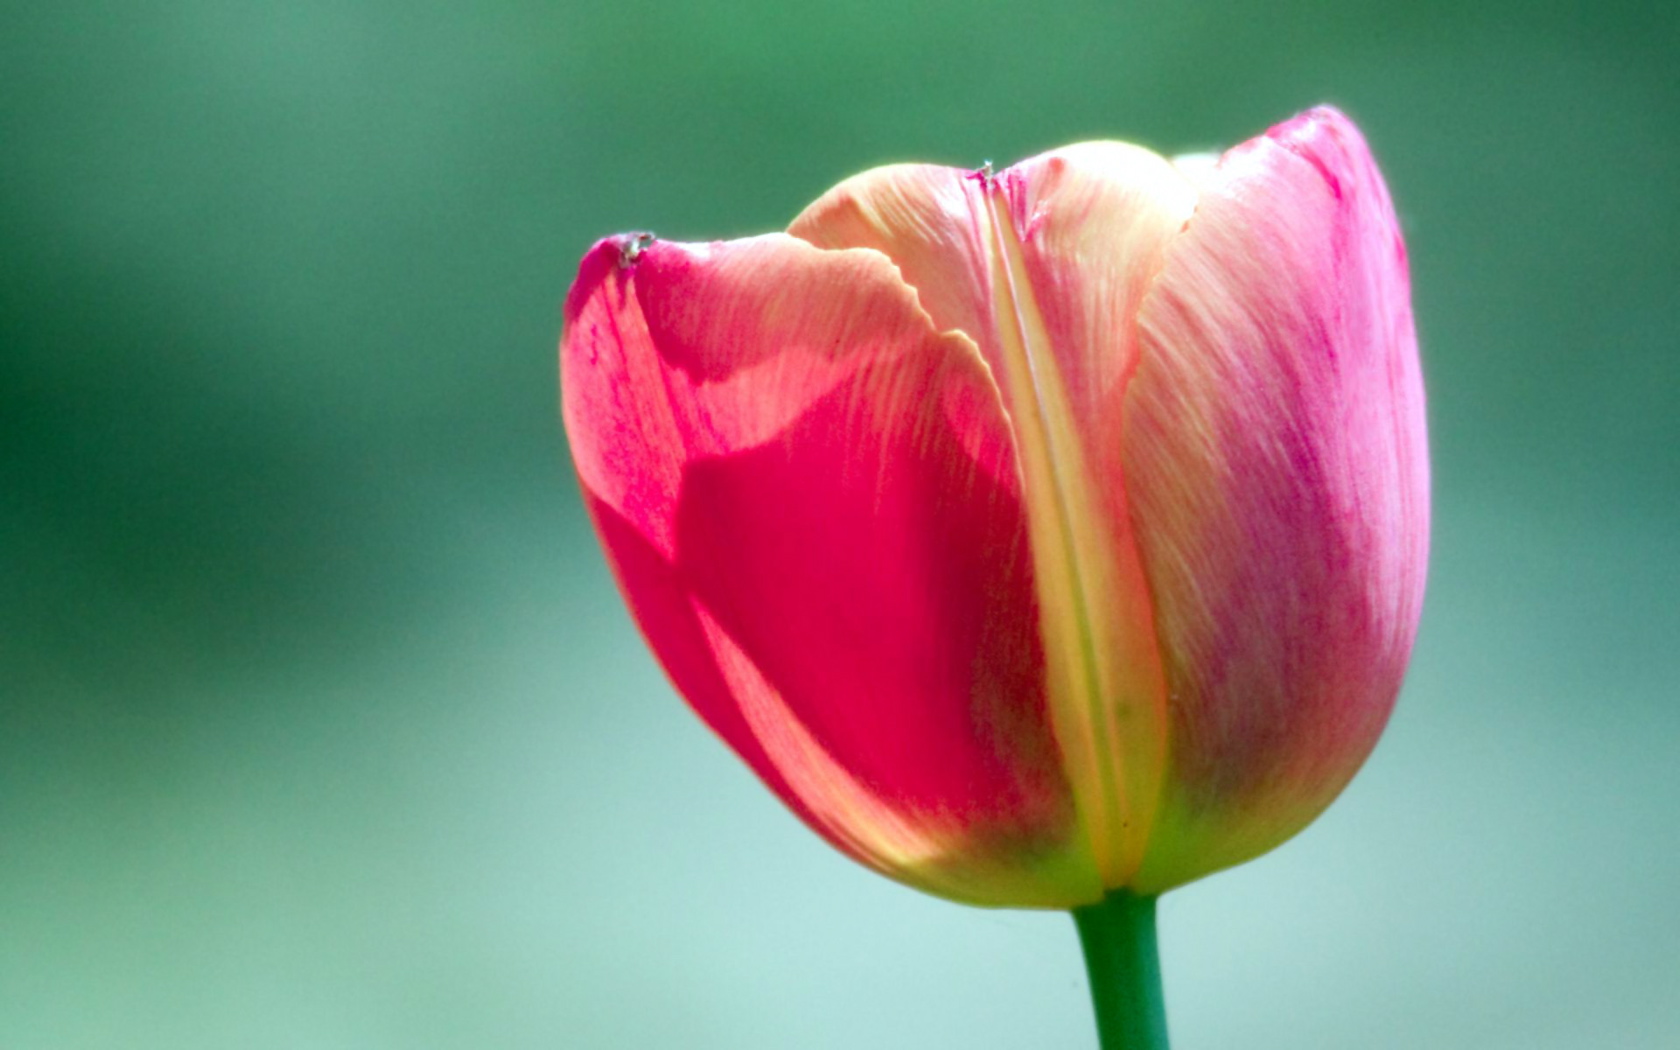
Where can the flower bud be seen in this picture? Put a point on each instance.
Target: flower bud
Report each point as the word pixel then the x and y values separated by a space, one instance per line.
pixel 1031 535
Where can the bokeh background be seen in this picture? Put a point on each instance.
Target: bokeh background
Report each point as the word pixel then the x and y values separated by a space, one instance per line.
pixel 322 725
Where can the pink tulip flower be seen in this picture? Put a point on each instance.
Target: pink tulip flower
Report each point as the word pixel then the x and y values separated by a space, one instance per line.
pixel 1032 535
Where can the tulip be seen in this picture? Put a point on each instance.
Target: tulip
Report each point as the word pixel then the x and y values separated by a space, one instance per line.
pixel 1040 538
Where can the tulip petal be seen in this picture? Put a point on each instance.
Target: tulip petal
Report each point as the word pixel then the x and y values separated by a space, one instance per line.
pixel 811 498
pixel 1275 449
pixel 929 220
pixel 1045 265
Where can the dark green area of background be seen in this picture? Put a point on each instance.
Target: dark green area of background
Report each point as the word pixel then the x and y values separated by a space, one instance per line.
pixel 321 724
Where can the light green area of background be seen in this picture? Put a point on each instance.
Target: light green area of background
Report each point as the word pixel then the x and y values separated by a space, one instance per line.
pixel 322 727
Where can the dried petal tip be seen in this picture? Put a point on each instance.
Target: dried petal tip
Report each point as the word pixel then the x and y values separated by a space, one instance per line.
pixel 632 246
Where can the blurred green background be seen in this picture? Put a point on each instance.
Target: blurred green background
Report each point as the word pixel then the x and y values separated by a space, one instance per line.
pixel 322 725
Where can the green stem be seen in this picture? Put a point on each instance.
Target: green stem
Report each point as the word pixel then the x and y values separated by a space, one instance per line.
pixel 1118 935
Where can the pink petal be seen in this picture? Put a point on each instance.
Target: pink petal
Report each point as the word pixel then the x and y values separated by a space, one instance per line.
pixel 1045 266
pixel 924 217
pixel 811 500
pixel 1275 449
pixel 1092 220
